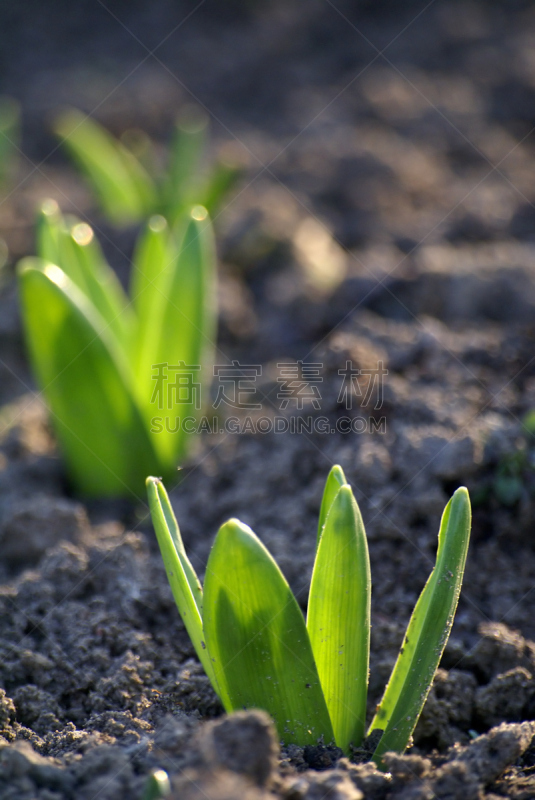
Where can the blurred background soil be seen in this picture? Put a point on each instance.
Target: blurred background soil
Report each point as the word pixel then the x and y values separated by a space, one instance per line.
pixel 385 214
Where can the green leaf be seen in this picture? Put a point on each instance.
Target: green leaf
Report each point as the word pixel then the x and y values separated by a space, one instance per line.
pixel 191 308
pixel 101 284
pixel 150 268
pixel 155 257
pixel 338 621
pixel 73 247
pixel 87 383
pixel 221 180
pixel 427 632
pixel 49 225
pixel 182 188
pixel 181 316
pixel 182 577
pixel 124 189
pixel 257 639
pixel 335 480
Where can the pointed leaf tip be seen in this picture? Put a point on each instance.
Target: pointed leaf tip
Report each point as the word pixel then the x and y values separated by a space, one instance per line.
pixel 339 474
pixel 335 480
pixel 235 533
pixel 235 524
pixel 462 492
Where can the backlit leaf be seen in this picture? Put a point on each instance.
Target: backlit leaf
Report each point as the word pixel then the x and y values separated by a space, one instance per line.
pixel 71 245
pixel 181 319
pixel 183 183
pixel 154 260
pixel 124 189
pixel 183 580
pixel 220 182
pixel 338 620
pixel 335 480
pixel 257 639
pixel 150 267
pixel 87 383
pixel 427 632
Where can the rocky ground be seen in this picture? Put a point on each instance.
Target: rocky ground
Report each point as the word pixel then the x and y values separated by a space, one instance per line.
pixel 385 216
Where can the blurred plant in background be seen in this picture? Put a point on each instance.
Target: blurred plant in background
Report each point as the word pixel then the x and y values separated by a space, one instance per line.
pixel 94 349
pixel 124 174
pixel 9 154
pixel 9 138
pixel 510 480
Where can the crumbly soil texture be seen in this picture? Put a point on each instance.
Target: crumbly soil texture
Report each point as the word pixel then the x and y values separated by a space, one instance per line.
pixel 384 224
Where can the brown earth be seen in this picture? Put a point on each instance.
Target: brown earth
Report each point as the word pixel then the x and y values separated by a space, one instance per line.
pixel 386 215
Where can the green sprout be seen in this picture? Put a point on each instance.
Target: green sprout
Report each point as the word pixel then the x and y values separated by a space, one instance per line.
pixel 95 351
pixel 124 185
pixel 157 786
pixel 252 640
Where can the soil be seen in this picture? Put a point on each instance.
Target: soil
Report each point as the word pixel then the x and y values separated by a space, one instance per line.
pixel 385 216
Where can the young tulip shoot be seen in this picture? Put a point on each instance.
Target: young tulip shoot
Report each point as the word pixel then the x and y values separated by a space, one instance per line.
pixel 250 635
pixel 102 358
pixel 126 189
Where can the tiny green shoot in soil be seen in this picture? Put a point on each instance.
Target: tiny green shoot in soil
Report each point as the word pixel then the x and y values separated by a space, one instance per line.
pixel 125 175
pixel 94 349
pixel 252 640
pixel 157 786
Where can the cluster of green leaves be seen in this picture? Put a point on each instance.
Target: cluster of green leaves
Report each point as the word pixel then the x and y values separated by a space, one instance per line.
pixel 128 187
pixel 93 348
pixel 252 640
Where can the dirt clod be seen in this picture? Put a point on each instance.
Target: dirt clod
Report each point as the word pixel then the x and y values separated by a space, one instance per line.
pixel 368 778
pixel 332 785
pixel 456 780
pixel 245 743
pixel 20 764
pixel 505 697
pixel 320 757
pixel 490 754
pixel 34 525
pixel 385 216
pixel 500 649
pixel 217 785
